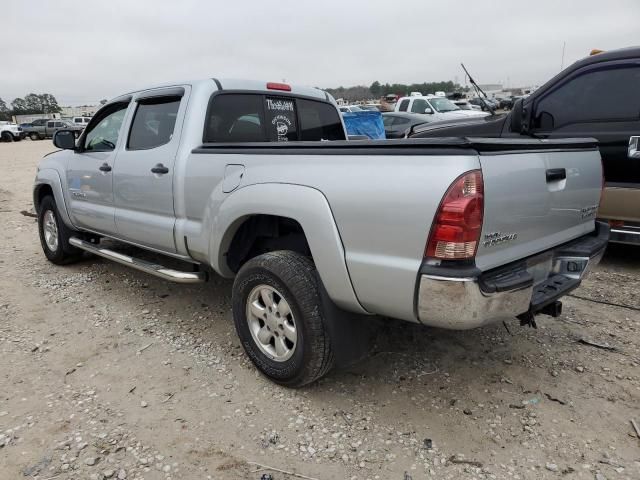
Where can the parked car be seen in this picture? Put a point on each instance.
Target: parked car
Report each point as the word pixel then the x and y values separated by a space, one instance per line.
pixel 597 97
pixel 350 108
pixel 465 105
pixel 482 103
pixel 10 132
pixel 314 253
pixel 436 108
pixel 45 129
pixel 81 121
pixel 398 124
pixel 507 103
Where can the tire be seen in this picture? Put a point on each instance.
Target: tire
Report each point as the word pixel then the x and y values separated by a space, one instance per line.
pixel 292 277
pixel 6 137
pixel 34 136
pixel 54 234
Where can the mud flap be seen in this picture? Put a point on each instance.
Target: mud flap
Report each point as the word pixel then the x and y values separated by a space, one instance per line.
pixel 352 334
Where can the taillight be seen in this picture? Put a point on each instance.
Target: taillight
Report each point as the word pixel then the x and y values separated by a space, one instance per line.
pixel 279 86
pixel 458 222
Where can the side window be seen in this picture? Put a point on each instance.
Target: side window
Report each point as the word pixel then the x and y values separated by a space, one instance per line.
pixel 319 121
pixel 50 124
pixel 404 104
pixel 608 94
pixel 77 120
pixel 102 135
pixel 419 105
pixel 400 121
pixel 153 123
pixel 235 118
pixel 387 120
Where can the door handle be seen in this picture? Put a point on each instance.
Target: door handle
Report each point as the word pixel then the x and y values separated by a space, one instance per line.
pixel 160 168
pixel 105 167
pixel 556 174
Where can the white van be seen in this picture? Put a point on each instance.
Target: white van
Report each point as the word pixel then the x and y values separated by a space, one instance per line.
pixel 81 121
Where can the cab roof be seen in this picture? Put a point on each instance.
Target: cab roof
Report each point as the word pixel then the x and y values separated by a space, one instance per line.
pixel 237 84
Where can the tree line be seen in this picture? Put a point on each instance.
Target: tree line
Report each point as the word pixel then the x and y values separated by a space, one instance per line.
pixel 33 103
pixel 377 89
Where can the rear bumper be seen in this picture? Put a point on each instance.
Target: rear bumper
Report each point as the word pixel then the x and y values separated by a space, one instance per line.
pixel 461 300
pixel 626 234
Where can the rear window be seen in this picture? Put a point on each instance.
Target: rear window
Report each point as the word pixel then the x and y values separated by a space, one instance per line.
pixel 236 118
pixel 319 121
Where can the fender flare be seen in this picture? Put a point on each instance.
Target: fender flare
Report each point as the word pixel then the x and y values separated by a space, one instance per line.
pixel 306 205
pixel 50 177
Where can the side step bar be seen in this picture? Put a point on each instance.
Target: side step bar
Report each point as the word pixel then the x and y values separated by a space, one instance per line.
pixel 147 267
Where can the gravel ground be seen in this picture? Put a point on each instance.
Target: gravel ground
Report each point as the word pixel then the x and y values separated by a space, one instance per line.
pixel 109 373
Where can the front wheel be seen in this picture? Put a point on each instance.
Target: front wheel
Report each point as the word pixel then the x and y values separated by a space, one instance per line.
pixel 6 137
pixel 34 136
pixel 279 318
pixel 54 234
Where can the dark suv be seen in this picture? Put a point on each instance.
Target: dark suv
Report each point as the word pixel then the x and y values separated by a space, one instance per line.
pixel 598 97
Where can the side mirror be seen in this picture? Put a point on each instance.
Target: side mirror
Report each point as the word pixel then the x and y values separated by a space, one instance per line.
pixel 64 139
pixel 516 117
pixel 634 148
pixel 428 111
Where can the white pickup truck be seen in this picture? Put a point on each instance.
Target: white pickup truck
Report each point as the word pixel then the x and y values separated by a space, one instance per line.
pixel 257 181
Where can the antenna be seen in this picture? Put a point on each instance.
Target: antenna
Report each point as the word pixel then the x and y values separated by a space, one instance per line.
pixel 564 44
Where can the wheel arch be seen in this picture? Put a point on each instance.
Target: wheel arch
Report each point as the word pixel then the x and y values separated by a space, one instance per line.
pixel 296 205
pixel 48 183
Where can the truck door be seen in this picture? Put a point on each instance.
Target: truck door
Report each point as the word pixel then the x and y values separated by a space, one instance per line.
pixel 143 174
pixel 600 101
pixel 89 171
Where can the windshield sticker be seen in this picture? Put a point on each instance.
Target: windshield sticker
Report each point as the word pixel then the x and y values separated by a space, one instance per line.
pixel 281 115
pixel 280 105
pixel 282 125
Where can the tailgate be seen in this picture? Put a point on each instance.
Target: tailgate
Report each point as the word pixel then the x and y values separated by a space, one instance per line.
pixel 537 194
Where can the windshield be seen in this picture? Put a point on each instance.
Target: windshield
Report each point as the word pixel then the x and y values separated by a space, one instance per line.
pixel 355 108
pixel 442 105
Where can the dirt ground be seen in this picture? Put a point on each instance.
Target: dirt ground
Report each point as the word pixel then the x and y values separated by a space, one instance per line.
pixel 109 373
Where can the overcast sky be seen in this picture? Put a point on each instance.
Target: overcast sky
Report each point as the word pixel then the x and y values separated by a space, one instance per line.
pixel 85 50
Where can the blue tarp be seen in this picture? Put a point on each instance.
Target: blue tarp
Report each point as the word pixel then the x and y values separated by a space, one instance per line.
pixel 364 123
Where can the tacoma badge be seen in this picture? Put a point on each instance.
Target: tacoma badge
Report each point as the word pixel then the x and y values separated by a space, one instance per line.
pixel 496 238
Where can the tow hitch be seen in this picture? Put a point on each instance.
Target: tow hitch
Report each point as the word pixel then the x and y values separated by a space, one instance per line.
pixel 554 309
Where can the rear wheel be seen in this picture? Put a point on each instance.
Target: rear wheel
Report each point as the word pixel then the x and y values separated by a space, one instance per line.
pixel 279 318
pixel 54 234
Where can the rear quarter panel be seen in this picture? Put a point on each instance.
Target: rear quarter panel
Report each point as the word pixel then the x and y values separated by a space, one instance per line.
pixel 383 206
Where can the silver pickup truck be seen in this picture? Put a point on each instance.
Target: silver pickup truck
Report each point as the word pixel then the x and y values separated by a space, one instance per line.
pixel 258 181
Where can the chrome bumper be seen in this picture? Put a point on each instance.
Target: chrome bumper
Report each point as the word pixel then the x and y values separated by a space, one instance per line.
pixel 627 234
pixel 468 302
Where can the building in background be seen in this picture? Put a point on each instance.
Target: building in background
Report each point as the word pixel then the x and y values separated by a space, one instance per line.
pixel 80 111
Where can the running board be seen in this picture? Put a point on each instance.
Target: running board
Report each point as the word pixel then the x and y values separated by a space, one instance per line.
pixel 147 267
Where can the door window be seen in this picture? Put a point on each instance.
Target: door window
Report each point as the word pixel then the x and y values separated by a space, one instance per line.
pixel 404 104
pixel 607 94
pixel 102 136
pixel 50 124
pixel 153 123
pixel 419 105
